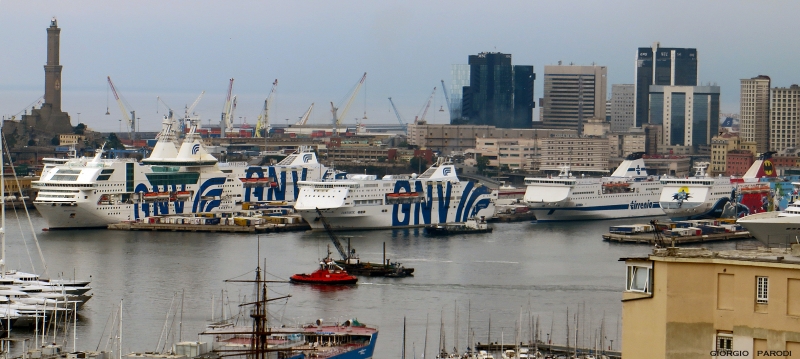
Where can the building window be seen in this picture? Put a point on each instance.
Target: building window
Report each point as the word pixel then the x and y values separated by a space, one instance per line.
pixel 639 279
pixel 762 290
pixel 724 341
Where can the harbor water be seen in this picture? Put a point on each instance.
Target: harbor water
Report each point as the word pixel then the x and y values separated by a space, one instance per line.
pixel 544 268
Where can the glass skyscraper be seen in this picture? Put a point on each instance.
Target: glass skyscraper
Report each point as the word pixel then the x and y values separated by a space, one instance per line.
pixel 689 114
pixel 662 66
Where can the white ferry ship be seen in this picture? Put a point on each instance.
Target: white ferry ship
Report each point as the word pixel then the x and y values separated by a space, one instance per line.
pixel 701 196
pixel 96 192
pixel 366 202
pixel 628 192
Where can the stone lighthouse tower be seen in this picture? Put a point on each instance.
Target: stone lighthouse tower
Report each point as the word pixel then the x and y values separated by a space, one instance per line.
pixel 52 69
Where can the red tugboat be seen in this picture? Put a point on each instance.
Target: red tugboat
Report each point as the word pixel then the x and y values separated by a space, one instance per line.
pixel 328 273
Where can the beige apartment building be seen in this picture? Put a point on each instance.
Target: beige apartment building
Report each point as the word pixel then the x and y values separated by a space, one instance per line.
pixel 447 139
pixel 695 303
pixel 623 144
pixel 515 154
pixel 754 112
pixel 587 155
pixel 784 118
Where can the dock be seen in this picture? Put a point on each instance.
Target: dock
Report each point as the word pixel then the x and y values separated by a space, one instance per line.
pixel 551 349
pixel 212 228
pixel 651 238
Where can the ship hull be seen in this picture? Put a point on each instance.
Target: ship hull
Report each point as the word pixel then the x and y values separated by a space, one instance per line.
pixel 379 217
pixel 558 213
pixel 76 215
pixel 771 228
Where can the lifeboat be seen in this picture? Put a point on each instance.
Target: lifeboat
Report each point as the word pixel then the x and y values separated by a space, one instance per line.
pixel 150 196
pixel 183 194
pixel 273 184
pixel 162 195
pixel 328 273
pixel 393 195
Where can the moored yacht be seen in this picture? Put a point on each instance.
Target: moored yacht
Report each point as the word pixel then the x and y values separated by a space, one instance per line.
pixel 777 227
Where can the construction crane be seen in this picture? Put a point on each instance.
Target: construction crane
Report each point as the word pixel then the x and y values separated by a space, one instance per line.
pixel 262 124
pixel 399 118
pixel 129 119
pixel 187 112
pixel 306 115
pixel 447 99
pixel 226 121
pixel 421 119
pixel 337 118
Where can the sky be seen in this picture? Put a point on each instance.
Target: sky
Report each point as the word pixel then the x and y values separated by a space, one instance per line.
pixel 318 50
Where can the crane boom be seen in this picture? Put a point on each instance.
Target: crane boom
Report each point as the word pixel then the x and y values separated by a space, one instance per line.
pixel 194 104
pixel 306 115
pixel 128 118
pixel 226 123
pixel 421 119
pixel 263 118
pixel 337 119
pixel 397 113
pixel 334 238
pixel 447 97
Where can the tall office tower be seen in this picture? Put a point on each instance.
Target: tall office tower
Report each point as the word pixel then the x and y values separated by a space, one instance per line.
pixel 621 110
pixel 754 112
pixel 784 121
pixel 573 95
pixel 663 66
pixel 689 114
pixel 498 94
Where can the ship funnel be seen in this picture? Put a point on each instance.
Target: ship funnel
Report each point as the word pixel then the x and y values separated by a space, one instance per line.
pixel 347 323
pixel 318 322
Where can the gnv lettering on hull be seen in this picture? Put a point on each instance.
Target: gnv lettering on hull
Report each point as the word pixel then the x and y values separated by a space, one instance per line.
pixel 277 193
pixel 209 188
pixel 469 204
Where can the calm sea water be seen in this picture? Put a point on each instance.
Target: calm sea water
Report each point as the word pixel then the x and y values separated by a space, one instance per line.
pixel 543 268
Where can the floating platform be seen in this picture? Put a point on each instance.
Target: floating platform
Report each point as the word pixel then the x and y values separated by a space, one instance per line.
pixel 213 228
pixel 650 238
pixel 513 217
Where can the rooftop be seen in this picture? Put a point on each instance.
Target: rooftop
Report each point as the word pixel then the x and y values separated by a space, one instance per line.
pixel 761 254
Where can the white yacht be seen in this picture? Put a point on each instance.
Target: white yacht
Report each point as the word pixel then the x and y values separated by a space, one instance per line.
pixel 777 227
pixel 628 192
pixel 366 202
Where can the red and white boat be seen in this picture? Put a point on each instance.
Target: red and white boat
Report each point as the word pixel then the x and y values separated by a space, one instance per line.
pixel 328 273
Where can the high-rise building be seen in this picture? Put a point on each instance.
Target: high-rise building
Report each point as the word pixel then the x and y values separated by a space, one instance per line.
pixel 662 66
pixel 689 114
pixel 754 112
pixel 622 104
pixel 573 95
pixel 784 121
pixel 498 94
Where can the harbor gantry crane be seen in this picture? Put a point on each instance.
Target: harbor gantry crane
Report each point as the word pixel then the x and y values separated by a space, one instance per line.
pixel 399 118
pixel 337 117
pixel 262 124
pixel 305 116
pixel 421 119
pixel 226 121
pixel 447 99
pixel 187 113
pixel 130 119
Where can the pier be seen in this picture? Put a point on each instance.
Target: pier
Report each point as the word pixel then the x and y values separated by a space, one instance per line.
pixel 174 227
pixel 652 238
pixel 551 349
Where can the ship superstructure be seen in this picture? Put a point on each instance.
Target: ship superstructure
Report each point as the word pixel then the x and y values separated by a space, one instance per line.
pixel 628 192
pixel 394 201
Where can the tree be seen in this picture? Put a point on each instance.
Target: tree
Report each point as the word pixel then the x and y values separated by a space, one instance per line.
pixel 114 142
pixel 482 163
pixel 55 141
pixel 79 129
pixel 417 164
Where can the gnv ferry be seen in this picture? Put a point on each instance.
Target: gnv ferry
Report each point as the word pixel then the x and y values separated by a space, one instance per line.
pixel 628 192
pixel 366 202
pixel 96 192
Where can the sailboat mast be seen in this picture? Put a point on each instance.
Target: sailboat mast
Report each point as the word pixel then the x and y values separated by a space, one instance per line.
pixel 425 346
pixel 2 209
pixel 404 339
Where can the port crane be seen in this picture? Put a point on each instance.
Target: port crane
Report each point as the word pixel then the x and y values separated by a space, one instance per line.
pixel 305 116
pixel 262 123
pixel 129 118
pixel 187 112
pixel 421 119
pixel 399 118
pixel 447 99
pixel 337 117
pixel 226 121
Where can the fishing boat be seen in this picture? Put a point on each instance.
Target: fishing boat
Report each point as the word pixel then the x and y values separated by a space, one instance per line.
pixel 328 273
pixel 472 225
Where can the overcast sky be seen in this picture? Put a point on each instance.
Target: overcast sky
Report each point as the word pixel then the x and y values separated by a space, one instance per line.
pixel 318 50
